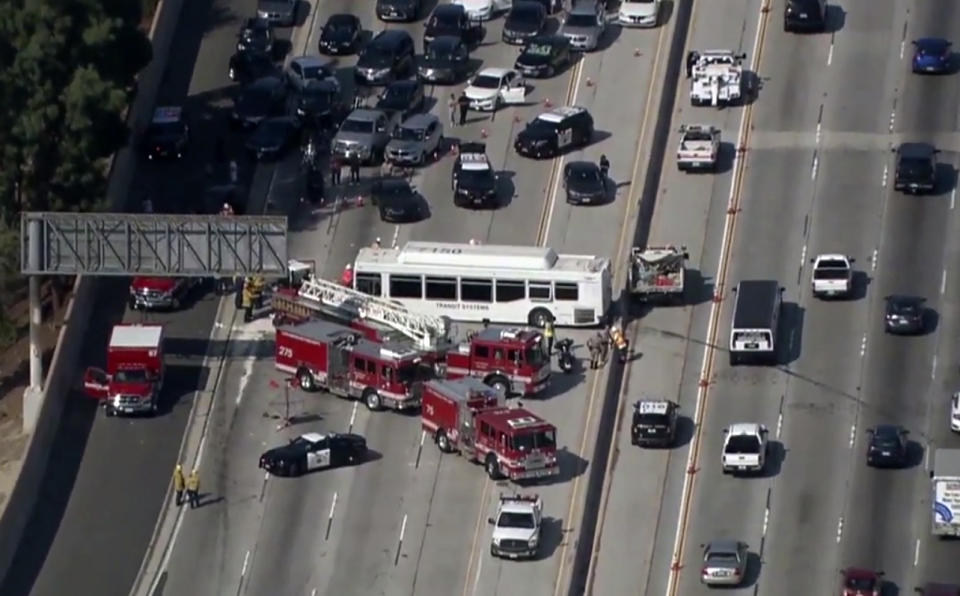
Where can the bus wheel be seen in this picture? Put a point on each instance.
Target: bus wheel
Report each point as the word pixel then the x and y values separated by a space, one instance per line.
pixel 539 317
pixel 443 442
pixel 493 467
pixel 305 379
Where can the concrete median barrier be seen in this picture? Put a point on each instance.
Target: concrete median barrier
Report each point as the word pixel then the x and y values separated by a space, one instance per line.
pixel 63 367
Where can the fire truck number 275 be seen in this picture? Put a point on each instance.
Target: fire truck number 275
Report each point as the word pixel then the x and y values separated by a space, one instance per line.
pixel 285 352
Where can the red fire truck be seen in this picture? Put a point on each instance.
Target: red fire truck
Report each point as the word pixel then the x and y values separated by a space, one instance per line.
pixel 156 293
pixel 326 356
pixel 131 382
pixel 511 359
pixel 469 417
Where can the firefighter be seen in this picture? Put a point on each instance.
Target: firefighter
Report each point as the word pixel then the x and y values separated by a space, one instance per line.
pixel 619 341
pixel 692 57
pixel 193 488
pixel 548 335
pixel 252 296
pixel 346 278
pixel 178 483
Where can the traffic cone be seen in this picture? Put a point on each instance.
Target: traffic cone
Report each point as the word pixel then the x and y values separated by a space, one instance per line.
pixel 589 82
pixel 637 52
pixel 483 133
pixel 359 200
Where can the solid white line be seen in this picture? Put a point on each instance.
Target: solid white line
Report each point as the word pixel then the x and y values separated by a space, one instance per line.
pixel 933 369
pixel 712 322
pixel 353 416
pixel 266 476
pixel 902 46
pixel 926 459
pixel 476 576
pixel 333 505
pixel 203 442
pixel 244 378
pixel 803 256
pixel 953 198
pixel 396 237
pixel 766 521
pixel 839 530
pixel 779 424
pixel 819 125
pixel 813 169
pixel 853 436
pixel 246 560
pixel 916 553
pixel 863 345
pixel 893 119
pixel 830 56
pixel 873 259
pixel 886 172
pixel 403 527
pixel 943 281
pixel 423 436
pixel 313 592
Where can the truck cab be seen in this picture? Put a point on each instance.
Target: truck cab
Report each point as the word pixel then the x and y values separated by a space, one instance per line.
pixel 832 276
pixel 511 360
pixel 516 527
pixel 130 384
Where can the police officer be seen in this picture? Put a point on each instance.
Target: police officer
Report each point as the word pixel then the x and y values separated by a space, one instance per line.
pixel 193 489
pixel 594 352
pixel 178 483
pixel 464 104
pixel 548 335
pixel 692 58
pixel 604 341
pixel 604 167
pixel 355 168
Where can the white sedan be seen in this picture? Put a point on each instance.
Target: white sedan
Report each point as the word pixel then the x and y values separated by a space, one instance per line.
pixel 639 13
pixel 483 10
pixel 493 87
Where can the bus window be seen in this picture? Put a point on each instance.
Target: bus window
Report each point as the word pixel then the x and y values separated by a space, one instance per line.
pixel 510 290
pixel 476 290
pixel 406 286
pixel 369 283
pixel 441 288
pixel 540 291
pixel 566 291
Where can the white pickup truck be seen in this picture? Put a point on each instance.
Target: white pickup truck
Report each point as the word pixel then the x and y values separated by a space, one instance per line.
pixel 744 448
pixel 717 78
pixel 832 276
pixel 516 527
pixel 699 147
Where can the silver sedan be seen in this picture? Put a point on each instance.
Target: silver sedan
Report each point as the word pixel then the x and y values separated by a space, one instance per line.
pixel 724 563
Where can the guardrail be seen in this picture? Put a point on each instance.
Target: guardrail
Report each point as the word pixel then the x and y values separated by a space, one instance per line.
pixel 60 376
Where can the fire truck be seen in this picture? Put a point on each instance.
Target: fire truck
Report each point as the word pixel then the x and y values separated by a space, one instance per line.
pixel 131 381
pixel 326 356
pixel 511 359
pixel 469 417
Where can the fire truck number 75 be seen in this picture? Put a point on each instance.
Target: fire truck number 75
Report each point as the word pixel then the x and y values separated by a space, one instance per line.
pixel 285 352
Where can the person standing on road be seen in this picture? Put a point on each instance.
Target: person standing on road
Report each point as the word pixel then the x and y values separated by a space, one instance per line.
pixel 548 335
pixel 336 165
pixel 452 106
pixel 594 352
pixel 604 167
pixel 464 103
pixel 604 348
pixel 355 168
pixel 178 483
pixel 193 488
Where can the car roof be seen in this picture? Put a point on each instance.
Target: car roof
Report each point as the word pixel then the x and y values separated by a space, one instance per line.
pixel 494 71
pixel 408 84
pixel 915 149
pixel 887 429
pixel 310 60
pixel 313 437
pixel 446 41
pixel 561 113
pixel 391 37
pixel 905 299
pixel 365 114
pixel 448 8
pixel 653 406
pixel 395 184
pixel 343 18
pixel 167 115
pixel 582 165
pixel 743 428
pixel 583 7
pixel 321 85
pixel 418 121
pixel 256 23
pixel 933 42
pixel 723 545
pixel 523 5
pixel 859 573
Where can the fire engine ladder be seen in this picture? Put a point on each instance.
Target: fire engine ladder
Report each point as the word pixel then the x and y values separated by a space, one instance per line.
pixel 426 330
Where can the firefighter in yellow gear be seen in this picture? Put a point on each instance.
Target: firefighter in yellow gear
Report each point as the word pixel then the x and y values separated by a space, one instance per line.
pixel 252 295
pixel 619 341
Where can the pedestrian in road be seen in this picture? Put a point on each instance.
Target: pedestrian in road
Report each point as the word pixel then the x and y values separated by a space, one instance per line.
pixel 464 104
pixel 604 348
pixel 594 352
pixel 193 488
pixel 178 483
pixel 604 167
pixel 355 168
pixel 548 335
pixel 376 243
pixel 336 165
pixel 452 107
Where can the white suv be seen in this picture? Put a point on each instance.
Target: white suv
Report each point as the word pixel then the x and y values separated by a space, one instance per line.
pixel 744 448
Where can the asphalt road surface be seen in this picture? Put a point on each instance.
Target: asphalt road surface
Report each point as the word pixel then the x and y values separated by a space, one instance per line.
pixel 817 179
pixel 108 477
pixel 410 521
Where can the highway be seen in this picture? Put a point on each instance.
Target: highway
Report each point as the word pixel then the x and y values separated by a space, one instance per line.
pixel 815 178
pixel 409 521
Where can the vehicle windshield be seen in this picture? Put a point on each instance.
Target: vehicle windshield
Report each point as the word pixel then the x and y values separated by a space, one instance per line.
pixel 509 519
pixel 722 558
pixel 885 442
pixel 486 82
pixel 536 355
pixel 132 376
pixel 468 178
pixel 301 442
pixel 409 373
pixel 544 439
pixel 524 15
pixel 166 128
pixel 443 21
pixel 273 128
pixel 317 93
pixel 440 52
pixel 581 20
pixel 402 133
pixel 697 135
pixel 743 444
pixel 339 25
pixel 904 308
pixel 541 125
pixel 377 53
pixel 584 175
pixel 932 49
pixel 653 419
pixel 859 583
pixel 916 166
pixel 395 93
pixel 538 49
pixel 358 126
pixel 256 34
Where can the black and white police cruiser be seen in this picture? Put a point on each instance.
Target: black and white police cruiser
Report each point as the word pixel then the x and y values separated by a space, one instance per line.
pixel 654 422
pixel 314 451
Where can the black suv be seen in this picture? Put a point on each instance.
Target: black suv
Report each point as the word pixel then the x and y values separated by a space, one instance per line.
pixel 654 423
pixel 904 315
pixel 473 180
pixel 525 20
pixel 887 446
pixel 389 56
pixel 250 65
pixel 544 56
pixel 321 104
pixel 398 10
pixel 445 61
pixel 916 168
pixel 805 15
pixel 451 20
pixel 554 132
pixel 167 135
pixel 405 97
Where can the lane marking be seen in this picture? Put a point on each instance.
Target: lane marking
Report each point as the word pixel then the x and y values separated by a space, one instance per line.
pixel 333 505
pixel 830 55
pixel 766 521
pixel 933 368
pixel 706 367
pixel 263 486
pixel 903 45
pixel 779 424
pixel 803 256
pixel 953 198
pixel 353 416
pixel 396 237
pixel 840 529
pixel 926 459
pixel 403 530
pixel 863 345
pixel 813 168
pixel 423 436
pixel 819 126
pixel 874 258
pixel 943 281
pixel 916 553
pixel 893 116
pixel 853 435
pixel 244 379
pixel 886 173
pixel 246 561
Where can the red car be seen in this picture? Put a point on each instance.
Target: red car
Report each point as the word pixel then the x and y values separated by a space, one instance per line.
pixel 860 582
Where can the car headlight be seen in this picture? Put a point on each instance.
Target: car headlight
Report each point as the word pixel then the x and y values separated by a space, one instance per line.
pixel 496 541
pixel 533 541
pixel 263 14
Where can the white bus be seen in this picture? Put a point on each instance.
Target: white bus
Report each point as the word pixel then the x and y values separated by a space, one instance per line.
pixel 503 284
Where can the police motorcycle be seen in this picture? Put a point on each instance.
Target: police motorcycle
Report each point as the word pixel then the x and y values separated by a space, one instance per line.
pixel 565 355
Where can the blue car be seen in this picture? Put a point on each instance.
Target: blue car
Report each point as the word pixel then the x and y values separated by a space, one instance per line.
pixel 931 55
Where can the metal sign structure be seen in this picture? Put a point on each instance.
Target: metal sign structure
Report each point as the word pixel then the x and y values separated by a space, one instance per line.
pixel 153 245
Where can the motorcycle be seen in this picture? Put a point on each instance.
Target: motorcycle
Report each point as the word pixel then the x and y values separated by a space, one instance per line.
pixel 564 355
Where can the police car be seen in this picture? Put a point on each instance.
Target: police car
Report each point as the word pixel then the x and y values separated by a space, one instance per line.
pixel 314 451
pixel 473 180
pixel 654 423
pixel 167 135
pixel 555 132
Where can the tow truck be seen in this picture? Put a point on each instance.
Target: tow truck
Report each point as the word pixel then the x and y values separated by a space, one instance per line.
pixel 717 78
pixel 832 276
pixel 657 273
pixel 699 147
pixel 516 527
pixel 468 417
pixel 512 360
